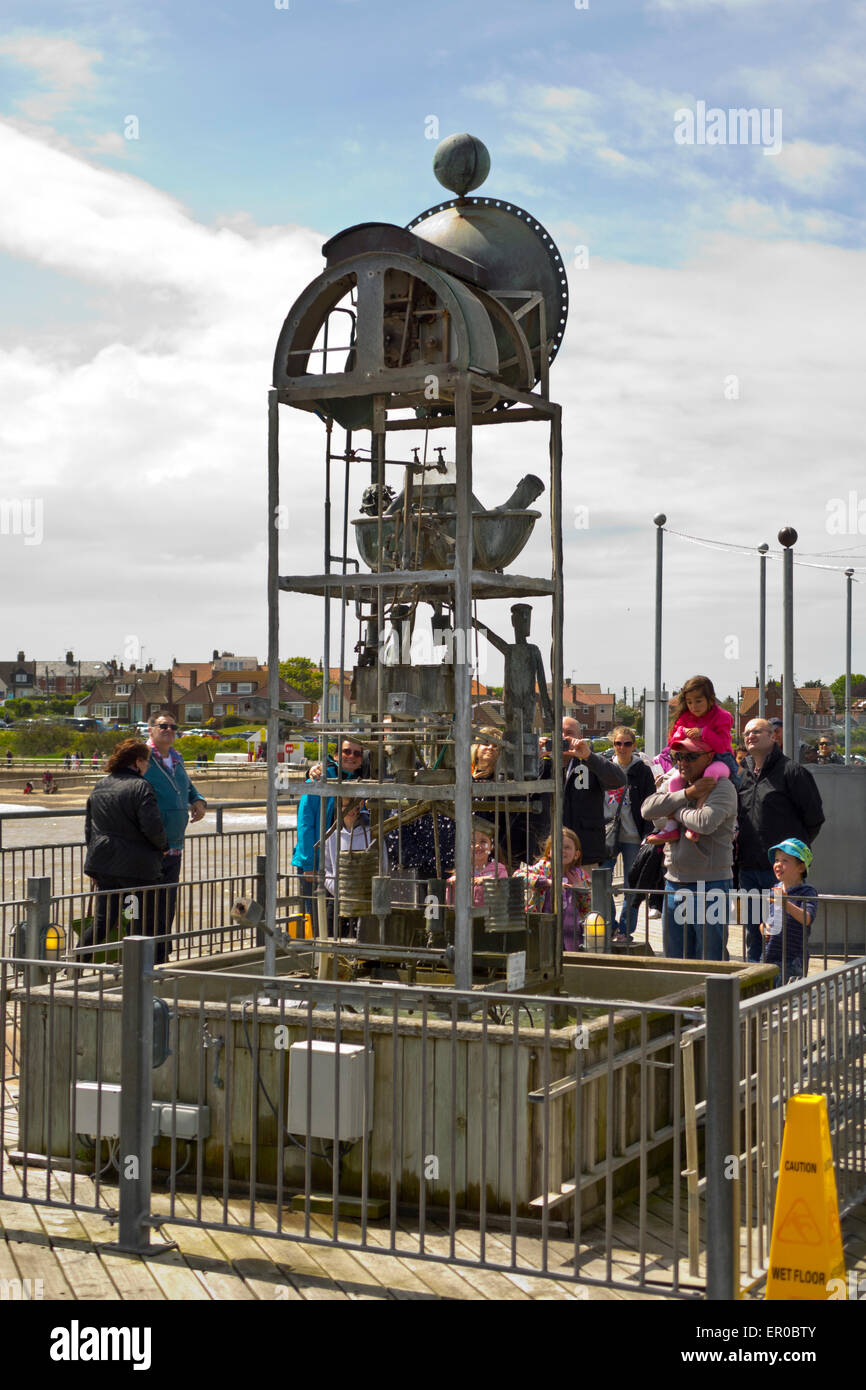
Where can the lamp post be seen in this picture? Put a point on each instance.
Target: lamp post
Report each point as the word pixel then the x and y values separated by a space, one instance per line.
pixel 849 575
pixel 788 539
pixel 659 521
pixel 762 633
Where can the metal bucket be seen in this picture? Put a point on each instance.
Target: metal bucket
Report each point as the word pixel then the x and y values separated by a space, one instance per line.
pixel 504 904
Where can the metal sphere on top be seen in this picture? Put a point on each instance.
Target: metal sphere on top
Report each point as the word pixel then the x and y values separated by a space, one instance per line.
pixel 461 163
pixel 787 537
pixel 659 519
pixel 848 574
pixel 762 549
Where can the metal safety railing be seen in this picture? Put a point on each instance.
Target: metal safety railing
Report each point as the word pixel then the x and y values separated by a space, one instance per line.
pixel 714 924
pixel 525 1134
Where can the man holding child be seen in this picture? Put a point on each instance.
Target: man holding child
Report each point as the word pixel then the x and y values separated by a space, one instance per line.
pixel 697 870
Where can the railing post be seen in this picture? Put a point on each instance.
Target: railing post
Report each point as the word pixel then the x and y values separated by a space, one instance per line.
pixel 602 901
pixel 723 1137
pixel 37 918
pixel 259 896
pixel 136 1095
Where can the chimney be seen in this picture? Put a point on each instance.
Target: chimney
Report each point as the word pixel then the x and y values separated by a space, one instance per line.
pixel 20 656
pixel 216 655
pixel 70 659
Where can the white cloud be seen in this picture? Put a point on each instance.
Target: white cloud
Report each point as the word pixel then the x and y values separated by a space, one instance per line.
pixel 815 168
pixel 62 66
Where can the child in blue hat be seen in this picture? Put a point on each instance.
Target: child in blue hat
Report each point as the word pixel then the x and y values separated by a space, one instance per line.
pixel 792 910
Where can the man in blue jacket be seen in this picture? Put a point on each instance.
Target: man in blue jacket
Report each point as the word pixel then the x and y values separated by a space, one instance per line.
pixel 179 802
pixel 304 858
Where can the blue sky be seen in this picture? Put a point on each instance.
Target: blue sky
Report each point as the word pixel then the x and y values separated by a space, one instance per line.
pixel 144 282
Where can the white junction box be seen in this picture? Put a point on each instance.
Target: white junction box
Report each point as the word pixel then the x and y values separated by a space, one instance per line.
pixel 187 1121
pixel 90 1101
pixel 320 1060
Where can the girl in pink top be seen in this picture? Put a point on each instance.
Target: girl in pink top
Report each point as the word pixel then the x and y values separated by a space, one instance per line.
pixel 483 866
pixel 697 715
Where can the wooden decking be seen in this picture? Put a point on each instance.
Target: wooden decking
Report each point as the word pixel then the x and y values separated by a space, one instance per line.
pixel 67 1251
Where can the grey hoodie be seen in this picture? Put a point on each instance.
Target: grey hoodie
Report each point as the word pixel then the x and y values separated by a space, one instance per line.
pixel 710 858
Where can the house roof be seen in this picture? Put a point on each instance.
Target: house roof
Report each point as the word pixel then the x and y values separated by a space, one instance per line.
pixel 182 672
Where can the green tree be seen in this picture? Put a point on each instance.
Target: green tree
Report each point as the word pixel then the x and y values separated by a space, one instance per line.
pixel 815 685
pixel 630 716
pixel 303 674
pixel 858 689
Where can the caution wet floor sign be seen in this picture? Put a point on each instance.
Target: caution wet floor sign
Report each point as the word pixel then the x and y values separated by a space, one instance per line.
pixel 806 1249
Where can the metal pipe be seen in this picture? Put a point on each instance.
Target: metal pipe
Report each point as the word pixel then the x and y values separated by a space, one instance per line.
pixel 788 538
pixel 658 742
pixel 849 574
pixel 273 726
pixel 463 687
pixel 556 674
pixel 723 1144
pixel 136 1095
pixel 762 633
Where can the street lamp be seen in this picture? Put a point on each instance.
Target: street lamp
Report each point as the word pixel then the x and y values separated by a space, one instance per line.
pixel 849 575
pixel 788 539
pixel 762 633
pixel 657 743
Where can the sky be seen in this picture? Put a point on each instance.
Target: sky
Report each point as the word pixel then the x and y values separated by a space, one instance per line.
pixel 170 173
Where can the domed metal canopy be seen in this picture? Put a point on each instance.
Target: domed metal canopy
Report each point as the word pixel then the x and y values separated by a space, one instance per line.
pixel 515 250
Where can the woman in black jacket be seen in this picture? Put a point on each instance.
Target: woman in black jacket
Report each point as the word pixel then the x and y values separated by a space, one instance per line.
pixel 626 827
pixel 125 841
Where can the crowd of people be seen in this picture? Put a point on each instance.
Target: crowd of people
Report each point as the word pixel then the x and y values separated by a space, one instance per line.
pixel 702 819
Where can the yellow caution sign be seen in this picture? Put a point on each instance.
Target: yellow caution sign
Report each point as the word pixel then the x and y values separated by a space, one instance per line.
pixel 806 1249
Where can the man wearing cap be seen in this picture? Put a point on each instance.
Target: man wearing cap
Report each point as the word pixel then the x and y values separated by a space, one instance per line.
pixel 697 872
pixel 778 800
pixel 792 910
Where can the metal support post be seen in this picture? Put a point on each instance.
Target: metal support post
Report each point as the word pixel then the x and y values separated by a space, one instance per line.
pixel 271 847
pixel 658 740
pixel 136 1095
pixel 762 634
pixel 463 688
pixel 37 919
pixel 849 574
pixel 260 895
pixel 556 674
pixel 788 538
pixel 602 901
pixel 722 1138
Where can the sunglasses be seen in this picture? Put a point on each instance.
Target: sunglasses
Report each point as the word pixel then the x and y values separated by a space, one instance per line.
pixel 687 757
pixel 623 743
pixel 351 753
pixel 169 728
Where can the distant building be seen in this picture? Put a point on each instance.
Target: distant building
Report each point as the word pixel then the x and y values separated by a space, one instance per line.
pixel 592 707
pixel 813 708
pixel 242 692
pixel 66 676
pixel 131 696
pixel 19 677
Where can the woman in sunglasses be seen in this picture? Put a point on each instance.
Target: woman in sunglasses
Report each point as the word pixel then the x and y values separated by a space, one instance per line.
pixel 625 827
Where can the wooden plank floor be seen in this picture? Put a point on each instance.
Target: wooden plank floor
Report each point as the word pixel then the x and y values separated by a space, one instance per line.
pixel 67 1251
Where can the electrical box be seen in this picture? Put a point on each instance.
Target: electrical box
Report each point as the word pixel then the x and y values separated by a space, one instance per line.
pixel 190 1121
pixel 316 1064
pixel 92 1101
